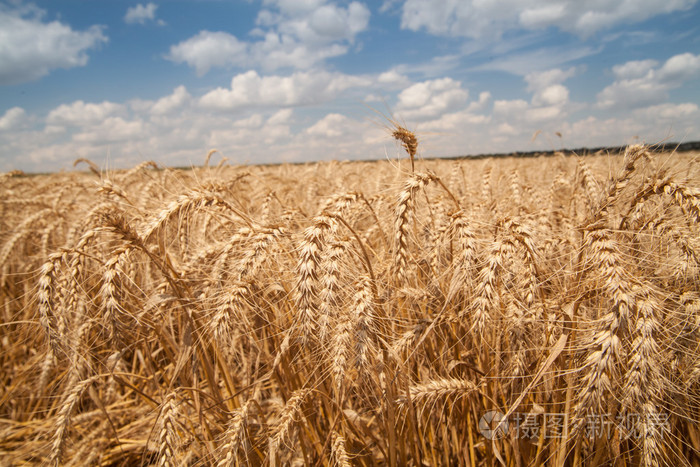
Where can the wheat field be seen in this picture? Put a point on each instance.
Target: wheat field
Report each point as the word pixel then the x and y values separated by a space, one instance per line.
pixel 471 312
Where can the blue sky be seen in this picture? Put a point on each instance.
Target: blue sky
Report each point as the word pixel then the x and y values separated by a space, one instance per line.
pixel 119 82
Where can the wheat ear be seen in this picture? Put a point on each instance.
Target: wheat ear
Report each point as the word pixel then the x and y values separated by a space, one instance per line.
pixel 340 455
pixel 289 414
pixel 235 434
pixel 403 216
pixel 308 270
pixel 645 381
pixel 438 389
pixel 167 437
pixel 605 343
pixel 63 422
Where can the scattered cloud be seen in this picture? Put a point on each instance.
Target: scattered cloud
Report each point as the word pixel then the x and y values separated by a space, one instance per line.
pixel 249 89
pixel 671 113
pixel 112 130
pixel 330 126
pixel 288 34
pixel 142 14
pixel 80 114
pixel 31 48
pixel 176 101
pixel 521 62
pixel 548 108
pixel 547 88
pixel 643 83
pixel 393 78
pixel 507 125
pixel 264 118
pixel 315 21
pixel 435 67
pixel 430 99
pixel 633 70
pixel 490 20
pixel 511 108
pixel 13 119
pixel 210 49
pixel 679 69
pixel 542 79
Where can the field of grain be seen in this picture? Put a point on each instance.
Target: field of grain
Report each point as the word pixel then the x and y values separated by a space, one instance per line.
pixel 473 312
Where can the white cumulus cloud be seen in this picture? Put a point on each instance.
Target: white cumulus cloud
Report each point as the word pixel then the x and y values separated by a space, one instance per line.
pixel 263 118
pixel 174 102
pixel 249 89
pixel 289 34
pixel 510 107
pixel 542 79
pixel 429 99
pixel 547 89
pixel 634 69
pixel 324 22
pixel 80 113
pixel 679 69
pixel 141 14
pixel 111 130
pixel 13 119
pixel 30 47
pixel 644 83
pixel 210 49
pixel 330 126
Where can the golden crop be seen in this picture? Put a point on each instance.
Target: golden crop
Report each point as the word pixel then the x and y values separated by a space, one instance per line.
pixel 354 313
